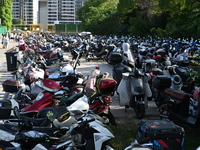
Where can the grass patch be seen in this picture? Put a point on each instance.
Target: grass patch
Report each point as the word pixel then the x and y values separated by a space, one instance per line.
pixel 126 132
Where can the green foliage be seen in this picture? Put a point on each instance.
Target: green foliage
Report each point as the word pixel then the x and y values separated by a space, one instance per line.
pixel 126 132
pixel 174 18
pixel 97 15
pixel 157 32
pixel 6 13
pixel 126 6
pixel 18 21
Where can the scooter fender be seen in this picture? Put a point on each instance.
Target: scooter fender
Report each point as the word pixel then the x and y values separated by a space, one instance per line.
pixel 137 87
pixel 102 135
pixel 14 104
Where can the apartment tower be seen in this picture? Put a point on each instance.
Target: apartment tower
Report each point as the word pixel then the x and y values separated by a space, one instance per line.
pixel 47 11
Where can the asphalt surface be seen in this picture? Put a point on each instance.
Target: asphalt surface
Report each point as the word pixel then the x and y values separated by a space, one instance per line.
pixel 85 67
pixel 4 73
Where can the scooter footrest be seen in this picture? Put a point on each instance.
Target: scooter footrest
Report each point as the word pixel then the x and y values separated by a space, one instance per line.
pixel 177 94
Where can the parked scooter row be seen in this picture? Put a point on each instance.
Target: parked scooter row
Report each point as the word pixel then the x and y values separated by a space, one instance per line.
pixel 81 106
pixel 23 133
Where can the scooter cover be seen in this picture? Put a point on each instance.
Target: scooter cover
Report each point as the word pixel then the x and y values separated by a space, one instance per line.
pixel 124 94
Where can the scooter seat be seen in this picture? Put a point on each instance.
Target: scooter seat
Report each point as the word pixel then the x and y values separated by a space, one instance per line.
pixel 73 98
pixel 177 94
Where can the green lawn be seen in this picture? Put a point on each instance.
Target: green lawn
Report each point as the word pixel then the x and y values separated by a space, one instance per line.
pixel 126 132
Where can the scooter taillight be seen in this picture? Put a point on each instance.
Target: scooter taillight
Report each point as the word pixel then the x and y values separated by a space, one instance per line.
pixel 107 100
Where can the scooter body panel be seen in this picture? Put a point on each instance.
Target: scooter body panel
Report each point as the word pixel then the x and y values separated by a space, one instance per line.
pixel 37 105
pixel 174 104
pixel 51 84
pixel 99 107
pixel 136 86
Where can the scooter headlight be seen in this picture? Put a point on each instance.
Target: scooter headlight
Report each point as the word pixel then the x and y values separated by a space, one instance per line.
pixel 176 80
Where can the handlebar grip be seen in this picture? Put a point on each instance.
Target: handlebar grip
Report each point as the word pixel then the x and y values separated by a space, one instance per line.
pixel 87 121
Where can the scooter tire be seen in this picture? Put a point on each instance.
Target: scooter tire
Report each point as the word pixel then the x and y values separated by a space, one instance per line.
pixel 139 110
pixel 158 102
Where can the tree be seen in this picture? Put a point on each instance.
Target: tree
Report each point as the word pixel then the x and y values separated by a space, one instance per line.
pixel 171 18
pixel 6 13
pixel 183 17
pixel 18 21
pixel 96 14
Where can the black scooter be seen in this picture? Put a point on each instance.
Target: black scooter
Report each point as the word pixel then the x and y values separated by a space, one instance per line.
pixel 181 107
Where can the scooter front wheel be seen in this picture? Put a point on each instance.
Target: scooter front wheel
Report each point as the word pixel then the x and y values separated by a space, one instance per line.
pixel 110 117
pixel 139 110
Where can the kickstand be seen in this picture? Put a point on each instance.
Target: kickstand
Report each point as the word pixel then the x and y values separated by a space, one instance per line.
pixel 126 108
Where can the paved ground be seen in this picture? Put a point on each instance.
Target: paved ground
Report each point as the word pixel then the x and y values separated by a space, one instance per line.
pixel 4 74
pixel 85 67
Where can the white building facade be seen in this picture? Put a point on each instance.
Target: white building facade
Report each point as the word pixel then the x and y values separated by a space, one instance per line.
pixel 26 10
pixel 47 11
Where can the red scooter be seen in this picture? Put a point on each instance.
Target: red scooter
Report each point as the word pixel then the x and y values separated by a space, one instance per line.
pixel 43 99
pixel 99 102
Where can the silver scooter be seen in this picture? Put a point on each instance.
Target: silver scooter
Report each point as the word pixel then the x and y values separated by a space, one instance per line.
pixel 131 91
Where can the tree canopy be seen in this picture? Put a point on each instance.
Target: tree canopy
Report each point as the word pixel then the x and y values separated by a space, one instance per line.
pixel 6 13
pixel 98 15
pixel 174 18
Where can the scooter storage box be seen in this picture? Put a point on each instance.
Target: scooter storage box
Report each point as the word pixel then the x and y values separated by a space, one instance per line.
pixel 163 134
pixel 11 85
pixel 115 58
pixel 161 82
pixel 5 109
pixel 106 85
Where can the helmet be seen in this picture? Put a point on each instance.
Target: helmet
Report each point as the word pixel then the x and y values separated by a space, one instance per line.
pixel 165 45
pixel 157 57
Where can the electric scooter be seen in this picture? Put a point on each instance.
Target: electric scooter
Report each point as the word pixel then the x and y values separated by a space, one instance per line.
pixel 182 107
pixel 132 87
pixel 131 92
